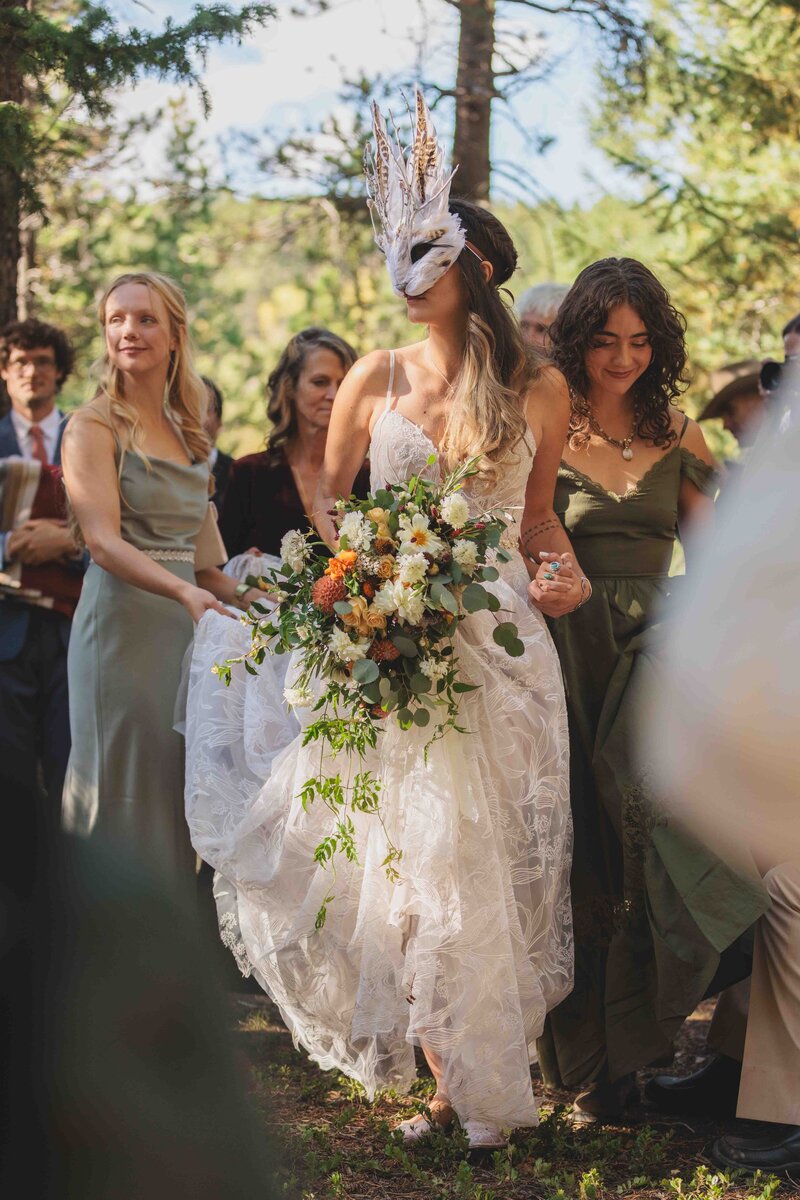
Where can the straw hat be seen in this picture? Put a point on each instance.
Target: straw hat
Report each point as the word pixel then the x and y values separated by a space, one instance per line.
pixel 728 382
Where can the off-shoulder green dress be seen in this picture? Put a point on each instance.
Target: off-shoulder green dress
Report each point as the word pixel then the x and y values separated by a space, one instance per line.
pixel 653 910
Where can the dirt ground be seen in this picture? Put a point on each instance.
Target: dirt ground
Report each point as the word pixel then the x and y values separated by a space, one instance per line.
pixel 333 1145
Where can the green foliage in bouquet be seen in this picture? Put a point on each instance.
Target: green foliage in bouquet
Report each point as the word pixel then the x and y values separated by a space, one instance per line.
pixel 372 627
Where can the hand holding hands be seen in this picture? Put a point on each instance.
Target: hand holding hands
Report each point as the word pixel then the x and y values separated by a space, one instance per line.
pixel 557 588
pixel 39 541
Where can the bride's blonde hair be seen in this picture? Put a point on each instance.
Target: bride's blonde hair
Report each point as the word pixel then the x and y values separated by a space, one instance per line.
pixel 487 413
pixel 186 396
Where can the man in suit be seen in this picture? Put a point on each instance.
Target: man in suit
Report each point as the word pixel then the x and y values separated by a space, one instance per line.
pixel 220 463
pixel 39 552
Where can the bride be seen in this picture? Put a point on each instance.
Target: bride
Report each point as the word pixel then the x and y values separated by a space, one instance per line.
pixel 469 949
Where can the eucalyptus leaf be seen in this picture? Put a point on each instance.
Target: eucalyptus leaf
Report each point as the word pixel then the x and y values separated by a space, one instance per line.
pixel 385 686
pixel 494 603
pixel 456 572
pixel 406 645
pixel 490 574
pixel 516 648
pixel 372 692
pixel 505 632
pixel 405 716
pixel 422 717
pixel 365 670
pixel 342 607
pixel 420 683
pixel 443 598
pixel 475 597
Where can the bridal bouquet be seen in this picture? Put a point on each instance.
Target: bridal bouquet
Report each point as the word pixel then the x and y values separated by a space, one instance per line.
pixel 372 628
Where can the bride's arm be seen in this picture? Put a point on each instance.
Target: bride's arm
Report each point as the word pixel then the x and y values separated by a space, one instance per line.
pixel 359 398
pixel 542 532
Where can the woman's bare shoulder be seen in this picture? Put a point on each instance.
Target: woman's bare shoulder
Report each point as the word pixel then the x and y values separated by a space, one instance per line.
pixel 92 424
pixel 548 392
pixel 693 438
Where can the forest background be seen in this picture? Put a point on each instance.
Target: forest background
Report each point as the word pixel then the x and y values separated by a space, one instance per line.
pixel 692 107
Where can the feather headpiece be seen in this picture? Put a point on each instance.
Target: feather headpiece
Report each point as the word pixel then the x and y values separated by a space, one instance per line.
pixel 409 191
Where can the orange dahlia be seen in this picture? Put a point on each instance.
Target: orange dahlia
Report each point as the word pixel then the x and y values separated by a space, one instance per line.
pixel 326 592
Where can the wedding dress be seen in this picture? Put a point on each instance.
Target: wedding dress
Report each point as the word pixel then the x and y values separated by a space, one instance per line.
pixel 473 945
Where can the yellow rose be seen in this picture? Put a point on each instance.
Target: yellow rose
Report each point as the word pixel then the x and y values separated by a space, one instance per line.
pixel 378 515
pixel 375 619
pixel 386 567
pixel 357 617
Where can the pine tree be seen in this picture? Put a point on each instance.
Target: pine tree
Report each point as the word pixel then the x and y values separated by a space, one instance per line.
pixel 70 55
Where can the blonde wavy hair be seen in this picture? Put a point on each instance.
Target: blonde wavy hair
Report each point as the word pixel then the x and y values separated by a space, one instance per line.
pixel 487 413
pixel 185 395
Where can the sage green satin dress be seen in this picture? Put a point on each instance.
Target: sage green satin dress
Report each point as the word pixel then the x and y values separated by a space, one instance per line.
pixel 126 769
pixel 653 909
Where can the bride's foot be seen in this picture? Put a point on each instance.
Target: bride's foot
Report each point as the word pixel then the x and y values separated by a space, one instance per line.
pixel 484 1135
pixel 420 1127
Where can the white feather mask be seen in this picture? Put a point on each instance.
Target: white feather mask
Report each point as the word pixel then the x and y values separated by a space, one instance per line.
pixel 409 190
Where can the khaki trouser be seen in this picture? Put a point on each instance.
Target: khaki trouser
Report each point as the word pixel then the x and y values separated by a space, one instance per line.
pixel 767 1037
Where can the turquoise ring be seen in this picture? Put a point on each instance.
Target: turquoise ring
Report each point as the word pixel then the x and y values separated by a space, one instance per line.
pixel 549 575
pixel 555 566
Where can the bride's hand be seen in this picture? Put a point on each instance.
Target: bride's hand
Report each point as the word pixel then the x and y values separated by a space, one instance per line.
pixel 557 588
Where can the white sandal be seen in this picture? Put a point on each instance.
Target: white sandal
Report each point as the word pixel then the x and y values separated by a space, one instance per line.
pixel 482 1135
pixel 419 1128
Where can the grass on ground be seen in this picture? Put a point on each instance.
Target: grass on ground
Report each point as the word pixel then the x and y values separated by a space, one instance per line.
pixel 335 1145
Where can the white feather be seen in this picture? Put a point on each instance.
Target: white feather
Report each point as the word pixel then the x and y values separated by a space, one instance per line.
pixel 409 193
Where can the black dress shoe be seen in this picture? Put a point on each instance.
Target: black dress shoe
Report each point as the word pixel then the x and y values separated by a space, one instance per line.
pixel 604 1101
pixel 751 1154
pixel 710 1092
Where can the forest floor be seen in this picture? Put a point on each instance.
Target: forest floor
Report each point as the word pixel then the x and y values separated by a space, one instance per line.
pixel 333 1144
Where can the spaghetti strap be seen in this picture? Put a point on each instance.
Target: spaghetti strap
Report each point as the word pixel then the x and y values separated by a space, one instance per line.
pixel 683 430
pixel 390 388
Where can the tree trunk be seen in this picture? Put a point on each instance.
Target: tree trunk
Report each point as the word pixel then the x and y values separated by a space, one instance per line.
pixel 474 94
pixel 11 127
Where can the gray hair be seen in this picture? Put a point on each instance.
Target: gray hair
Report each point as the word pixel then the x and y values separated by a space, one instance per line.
pixel 543 298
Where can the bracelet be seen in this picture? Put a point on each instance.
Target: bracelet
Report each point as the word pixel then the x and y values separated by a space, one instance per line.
pixel 584 597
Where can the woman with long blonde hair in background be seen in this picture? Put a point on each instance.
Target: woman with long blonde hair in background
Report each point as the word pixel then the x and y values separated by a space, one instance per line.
pixel 136 471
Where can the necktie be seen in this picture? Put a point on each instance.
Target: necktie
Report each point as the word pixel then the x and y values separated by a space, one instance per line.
pixel 38 450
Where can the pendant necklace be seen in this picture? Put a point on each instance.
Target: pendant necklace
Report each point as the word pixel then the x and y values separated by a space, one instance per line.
pixel 623 444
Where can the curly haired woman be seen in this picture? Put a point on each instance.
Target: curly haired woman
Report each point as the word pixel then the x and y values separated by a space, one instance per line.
pixel 653 910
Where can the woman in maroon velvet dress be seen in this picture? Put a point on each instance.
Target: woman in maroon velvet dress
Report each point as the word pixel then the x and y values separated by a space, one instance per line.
pixel 271 492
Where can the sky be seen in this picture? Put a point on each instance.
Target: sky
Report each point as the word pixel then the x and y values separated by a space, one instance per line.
pixel 287 75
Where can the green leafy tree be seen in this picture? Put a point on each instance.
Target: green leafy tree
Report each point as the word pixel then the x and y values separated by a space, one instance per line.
pixel 710 137
pixel 60 64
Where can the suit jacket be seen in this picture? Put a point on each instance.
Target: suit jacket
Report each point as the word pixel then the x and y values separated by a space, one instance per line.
pixel 221 472
pixel 15 616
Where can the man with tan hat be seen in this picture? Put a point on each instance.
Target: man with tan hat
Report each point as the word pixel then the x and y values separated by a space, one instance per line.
pixel 737 400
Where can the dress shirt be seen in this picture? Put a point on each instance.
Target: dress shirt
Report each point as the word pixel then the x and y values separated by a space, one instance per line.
pixel 49 427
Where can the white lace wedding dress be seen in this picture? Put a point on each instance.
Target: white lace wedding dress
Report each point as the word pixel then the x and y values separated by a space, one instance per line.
pixel 469 950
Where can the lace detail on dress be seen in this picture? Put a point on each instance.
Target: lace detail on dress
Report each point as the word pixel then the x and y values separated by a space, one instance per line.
pixel 478 928
pixel 231 937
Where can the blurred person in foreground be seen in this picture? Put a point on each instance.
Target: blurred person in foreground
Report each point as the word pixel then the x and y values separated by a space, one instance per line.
pixel 730 699
pixel 120 1077
pixel 41 567
pixel 272 491
pixel 653 911
pixel 137 474
pixel 219 462
pixel 537 308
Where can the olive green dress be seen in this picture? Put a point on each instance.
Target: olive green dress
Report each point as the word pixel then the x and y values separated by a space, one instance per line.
pixel 125 773
pixel 653 909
